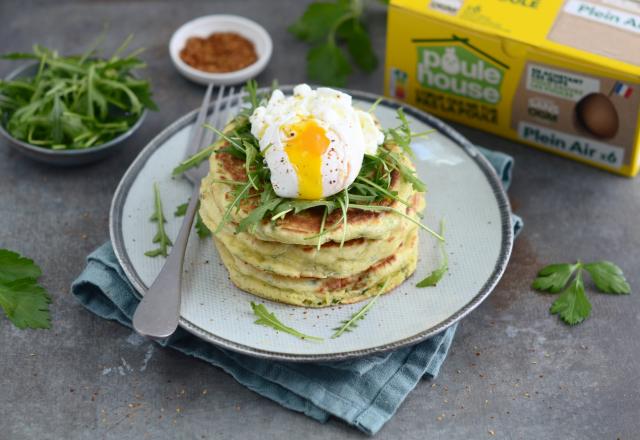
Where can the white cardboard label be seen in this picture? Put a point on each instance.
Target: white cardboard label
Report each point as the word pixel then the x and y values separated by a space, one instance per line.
pixel 560 84
pixel 577 146
pixel 448 6
pixel 602 14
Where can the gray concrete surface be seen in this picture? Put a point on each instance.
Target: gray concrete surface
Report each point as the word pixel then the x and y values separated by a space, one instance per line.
pixel 514 371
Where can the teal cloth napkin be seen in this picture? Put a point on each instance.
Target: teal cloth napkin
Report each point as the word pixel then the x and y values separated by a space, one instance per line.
pixel 363 392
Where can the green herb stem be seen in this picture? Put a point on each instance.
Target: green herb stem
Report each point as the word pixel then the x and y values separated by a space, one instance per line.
pixel 161 236
pixel 350 323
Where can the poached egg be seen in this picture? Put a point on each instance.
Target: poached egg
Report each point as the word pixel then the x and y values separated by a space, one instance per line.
pixel 313 141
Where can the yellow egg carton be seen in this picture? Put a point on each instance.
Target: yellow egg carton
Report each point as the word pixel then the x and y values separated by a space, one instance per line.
pixel 563 76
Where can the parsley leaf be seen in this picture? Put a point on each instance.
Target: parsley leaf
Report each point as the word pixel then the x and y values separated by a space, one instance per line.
pixel 268 319
pixel 360 49
pixel 15 267
pixel 326 25
pixel 318 18
pixel 554 277
pixel 608 277
pixel 572 305
pixel 327 64
pixel 23 300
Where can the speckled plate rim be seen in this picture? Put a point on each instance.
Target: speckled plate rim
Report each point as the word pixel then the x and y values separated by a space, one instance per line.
pixel 116 232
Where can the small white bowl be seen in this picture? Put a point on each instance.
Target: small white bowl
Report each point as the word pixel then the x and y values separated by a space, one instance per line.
pixel 205 26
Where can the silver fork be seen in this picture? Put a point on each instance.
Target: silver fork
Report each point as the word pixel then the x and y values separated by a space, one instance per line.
pixel 158 313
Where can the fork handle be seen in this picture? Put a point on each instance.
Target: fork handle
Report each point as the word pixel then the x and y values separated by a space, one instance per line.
pixel 158 313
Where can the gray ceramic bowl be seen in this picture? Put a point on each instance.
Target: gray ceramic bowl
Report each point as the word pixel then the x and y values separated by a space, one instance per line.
pixel 64 157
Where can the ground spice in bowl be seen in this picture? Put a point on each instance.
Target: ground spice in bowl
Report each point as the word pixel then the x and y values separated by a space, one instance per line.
pixel 220 52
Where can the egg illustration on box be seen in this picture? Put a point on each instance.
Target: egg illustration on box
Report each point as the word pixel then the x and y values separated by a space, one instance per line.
pixel 596 114
pixel 313 141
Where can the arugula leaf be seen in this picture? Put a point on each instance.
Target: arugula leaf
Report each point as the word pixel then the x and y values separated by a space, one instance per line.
pixel 239 123
pixel 327 65
pixel 18 56
pixel 161 236
pixel 401 135
pixel 608 277
pixel 181 210
pixel 268 319
pixel 201 228
pixel 434 277
pixel 255 216
pixel 24 302
pixel 352 322
pixel 326 25
pixel 572 305
pixel 554 277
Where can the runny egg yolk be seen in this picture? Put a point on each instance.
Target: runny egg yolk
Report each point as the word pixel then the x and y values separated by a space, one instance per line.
pixel 306 143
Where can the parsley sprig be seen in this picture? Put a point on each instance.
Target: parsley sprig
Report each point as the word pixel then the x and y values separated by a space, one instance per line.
pixel 572 305
pixel 326 25
pixel 23 300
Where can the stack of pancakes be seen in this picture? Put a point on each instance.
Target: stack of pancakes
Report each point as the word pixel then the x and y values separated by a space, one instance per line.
pixel 279 260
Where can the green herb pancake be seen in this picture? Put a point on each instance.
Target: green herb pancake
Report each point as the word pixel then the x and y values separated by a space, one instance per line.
pixel 383 277
pixel 303 228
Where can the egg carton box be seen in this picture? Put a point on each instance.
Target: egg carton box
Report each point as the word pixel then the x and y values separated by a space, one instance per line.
pixel 563 76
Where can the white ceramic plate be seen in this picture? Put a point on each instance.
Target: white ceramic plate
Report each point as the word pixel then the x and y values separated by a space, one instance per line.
pixel 462 188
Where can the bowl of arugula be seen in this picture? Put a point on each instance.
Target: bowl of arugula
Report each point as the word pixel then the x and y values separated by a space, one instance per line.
pixel 72 110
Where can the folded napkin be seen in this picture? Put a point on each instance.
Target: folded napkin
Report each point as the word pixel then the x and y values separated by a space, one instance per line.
pixel 363 392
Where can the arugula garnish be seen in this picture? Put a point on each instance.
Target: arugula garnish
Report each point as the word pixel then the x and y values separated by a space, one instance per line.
pixel 23 300
pixel 238 124
pixel 572 305
pixel 201 228
pixel 434 277
pixel 74 102
pixel 373 185
pixel 181 210
pixel 268 319
pixel 161 236
pixel 352 322
pixel 325 25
